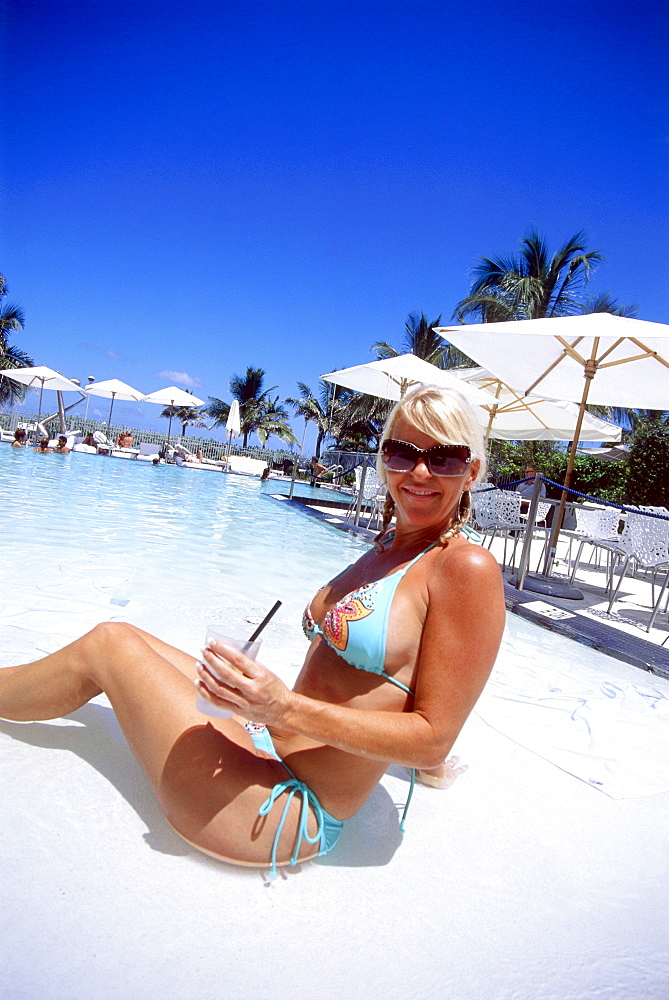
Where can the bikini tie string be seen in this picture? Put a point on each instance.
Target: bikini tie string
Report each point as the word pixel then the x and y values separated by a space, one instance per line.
pixel 406 805
pixel 293 786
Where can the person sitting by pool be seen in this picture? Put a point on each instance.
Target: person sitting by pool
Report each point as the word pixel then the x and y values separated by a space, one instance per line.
pixel 19 438
pixel 401 645
pixel 317 468
pixel 89 441
pixel 125 440
pixel 43 445
pixel 62 445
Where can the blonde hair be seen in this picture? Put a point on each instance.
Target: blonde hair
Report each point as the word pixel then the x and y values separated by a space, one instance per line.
pixel 442 414
pixel 446 416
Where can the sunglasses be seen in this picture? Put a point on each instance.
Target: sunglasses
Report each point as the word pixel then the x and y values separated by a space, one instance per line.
pixel 441 459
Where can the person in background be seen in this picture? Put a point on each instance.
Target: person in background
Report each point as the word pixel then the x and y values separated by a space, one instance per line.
pixel 265 474
pixel 527 489
pixel 317 467
pixel 125 440
pixel 19 438
pixel 89 441
pixel 62 445
pixel 43 446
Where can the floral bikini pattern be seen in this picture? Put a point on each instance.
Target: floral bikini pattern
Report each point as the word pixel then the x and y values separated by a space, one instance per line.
pixel 353 608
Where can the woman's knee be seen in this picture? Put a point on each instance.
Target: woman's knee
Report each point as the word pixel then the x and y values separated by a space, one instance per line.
pixel 111 643
pixel 113 633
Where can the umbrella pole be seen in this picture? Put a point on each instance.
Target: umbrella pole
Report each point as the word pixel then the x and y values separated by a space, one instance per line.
pixel 588 373
pixel 545 584
pixel 110 411
pixel 293 476
pixel 493 414
pixel 61 412
pixel 39 407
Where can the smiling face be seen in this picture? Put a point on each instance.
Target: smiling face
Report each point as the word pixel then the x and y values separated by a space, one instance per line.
pixel 421 499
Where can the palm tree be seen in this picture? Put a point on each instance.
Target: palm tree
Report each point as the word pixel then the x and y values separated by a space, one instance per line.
pixel 318 410
pixel 11 321
pixel 361 420
pixel 185 415
pixel 421 339
pixel 218 410
pixel 352 419
pixel 249 392
pixel 530 285
pixel 268 417
pixel 603 303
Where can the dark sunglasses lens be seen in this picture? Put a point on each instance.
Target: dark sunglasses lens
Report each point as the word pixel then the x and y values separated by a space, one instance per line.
pixel 397 457
pixel 449 461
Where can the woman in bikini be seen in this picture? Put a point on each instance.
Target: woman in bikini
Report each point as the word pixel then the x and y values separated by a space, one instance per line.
pixel 402 644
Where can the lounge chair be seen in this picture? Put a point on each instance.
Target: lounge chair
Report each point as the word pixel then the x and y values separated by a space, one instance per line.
pixel 102 443
pixel 147 452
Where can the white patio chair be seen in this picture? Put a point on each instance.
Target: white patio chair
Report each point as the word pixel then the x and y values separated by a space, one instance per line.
pixel 369 494
pixel 376 504
pixel 598 527
pixel 506 520
pixel 645 545
pixel 483 503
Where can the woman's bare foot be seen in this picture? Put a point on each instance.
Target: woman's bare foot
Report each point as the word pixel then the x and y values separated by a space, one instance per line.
pixel 442 776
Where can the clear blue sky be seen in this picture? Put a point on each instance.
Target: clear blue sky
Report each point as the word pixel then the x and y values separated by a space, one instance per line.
pixel 193 188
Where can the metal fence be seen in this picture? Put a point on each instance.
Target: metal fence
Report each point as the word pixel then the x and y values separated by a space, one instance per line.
pixel 11 419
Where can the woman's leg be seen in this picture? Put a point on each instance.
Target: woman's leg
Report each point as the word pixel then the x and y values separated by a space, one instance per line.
pixel 207 776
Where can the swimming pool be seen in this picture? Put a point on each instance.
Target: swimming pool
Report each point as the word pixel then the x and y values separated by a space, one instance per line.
pixel 88 539
pixel 169 545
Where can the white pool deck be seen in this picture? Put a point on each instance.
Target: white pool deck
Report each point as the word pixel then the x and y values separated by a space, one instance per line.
pixel 521 882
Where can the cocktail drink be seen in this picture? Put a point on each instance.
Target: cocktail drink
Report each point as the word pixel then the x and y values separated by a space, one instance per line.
pixel 247 647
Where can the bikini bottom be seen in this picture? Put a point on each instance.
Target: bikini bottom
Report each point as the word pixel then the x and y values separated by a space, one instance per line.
pixel 329 828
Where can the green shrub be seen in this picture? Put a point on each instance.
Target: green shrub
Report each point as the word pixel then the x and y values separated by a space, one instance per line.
pixel 648 481
pixel 604 480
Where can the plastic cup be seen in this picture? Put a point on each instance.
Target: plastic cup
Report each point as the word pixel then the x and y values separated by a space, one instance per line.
pixel 249 649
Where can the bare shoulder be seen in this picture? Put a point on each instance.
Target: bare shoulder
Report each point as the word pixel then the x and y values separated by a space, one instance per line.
pixel 466 561
pixel 463 579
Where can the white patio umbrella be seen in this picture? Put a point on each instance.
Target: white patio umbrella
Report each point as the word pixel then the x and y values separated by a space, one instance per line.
pixel 113 389
pixel 391 378
pixel 43 378
pixel 233 425
pixel 596 358
pixel 172 396
pixel 625 362
pixel 509 416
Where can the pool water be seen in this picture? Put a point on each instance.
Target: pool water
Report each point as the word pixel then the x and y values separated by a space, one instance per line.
pixel 166 545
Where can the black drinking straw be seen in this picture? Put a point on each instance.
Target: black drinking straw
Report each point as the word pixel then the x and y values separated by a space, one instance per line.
pixel 270 614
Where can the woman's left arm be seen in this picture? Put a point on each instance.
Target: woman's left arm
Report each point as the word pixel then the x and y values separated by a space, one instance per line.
pixel 461 635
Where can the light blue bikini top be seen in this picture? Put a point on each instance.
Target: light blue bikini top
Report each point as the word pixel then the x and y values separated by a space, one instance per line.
pixel 357 626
